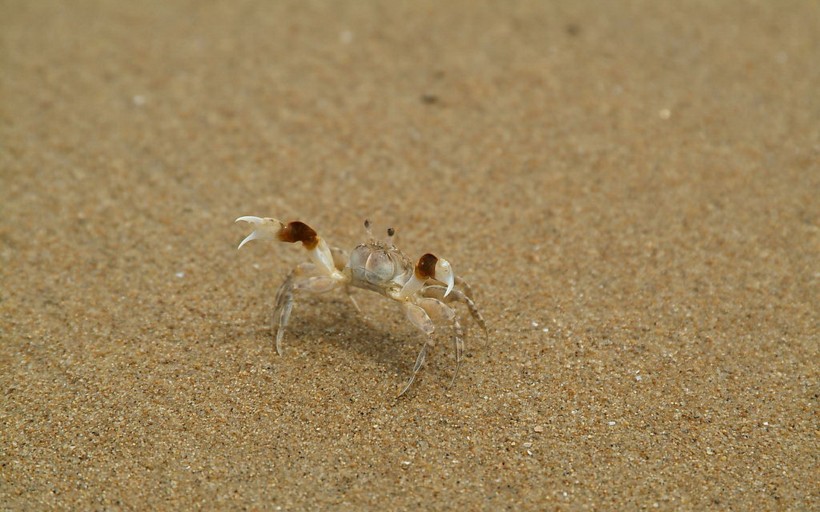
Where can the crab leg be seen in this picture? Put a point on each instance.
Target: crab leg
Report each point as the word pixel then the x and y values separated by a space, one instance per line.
pixel 419 362
pixel 282 310
pixel 418 317
pixel 464 286
pixel 458 344
pixel 441 311
pixel 437 292
pixel 340 260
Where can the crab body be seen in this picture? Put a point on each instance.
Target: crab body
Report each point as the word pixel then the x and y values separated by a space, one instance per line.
pixel 426 290
pixel 378 267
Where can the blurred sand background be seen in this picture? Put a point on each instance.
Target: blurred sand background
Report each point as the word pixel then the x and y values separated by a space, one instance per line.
pixel 631 188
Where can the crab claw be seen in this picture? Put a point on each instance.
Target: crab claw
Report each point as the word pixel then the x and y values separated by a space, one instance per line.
pixel 444 273
pixel 265 229
pixel 432 267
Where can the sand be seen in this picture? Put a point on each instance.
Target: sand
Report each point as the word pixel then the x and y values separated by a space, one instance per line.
pixel 630 188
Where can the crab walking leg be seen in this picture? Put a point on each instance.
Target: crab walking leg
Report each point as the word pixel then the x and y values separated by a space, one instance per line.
pixel 349 293
pixel 317 284
pixel 282 310
pixel 340 260
pixel 419 362
pixel 437 292
pixel 441 311
pixel 465 287
pixel 285 298
pixel 458 344
pixel 421 320
pixel 284 302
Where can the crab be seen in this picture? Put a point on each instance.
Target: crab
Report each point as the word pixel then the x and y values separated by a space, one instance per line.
pixel 426 289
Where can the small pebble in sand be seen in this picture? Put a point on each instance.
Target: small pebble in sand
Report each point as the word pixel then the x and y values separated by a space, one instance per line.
pixel 538 429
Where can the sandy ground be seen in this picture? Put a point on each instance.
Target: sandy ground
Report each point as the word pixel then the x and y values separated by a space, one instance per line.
pixel 631 188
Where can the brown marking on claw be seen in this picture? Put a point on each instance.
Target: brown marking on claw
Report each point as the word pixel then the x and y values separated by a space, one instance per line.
pixel 297 231
pixel 426 267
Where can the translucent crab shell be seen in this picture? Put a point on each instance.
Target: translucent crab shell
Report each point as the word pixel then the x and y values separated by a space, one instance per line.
pixel 378 266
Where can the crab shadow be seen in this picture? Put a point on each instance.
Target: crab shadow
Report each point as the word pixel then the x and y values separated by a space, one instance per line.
pixel 380 333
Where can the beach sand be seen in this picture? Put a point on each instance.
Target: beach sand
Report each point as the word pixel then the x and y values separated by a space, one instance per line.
pixel 630 187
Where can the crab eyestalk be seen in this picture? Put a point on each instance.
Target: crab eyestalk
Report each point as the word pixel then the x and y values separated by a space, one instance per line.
pixel 429 267
pixel 391 233
pixel 368 229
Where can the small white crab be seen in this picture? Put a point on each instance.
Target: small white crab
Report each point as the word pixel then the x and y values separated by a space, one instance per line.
pixel 424 290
